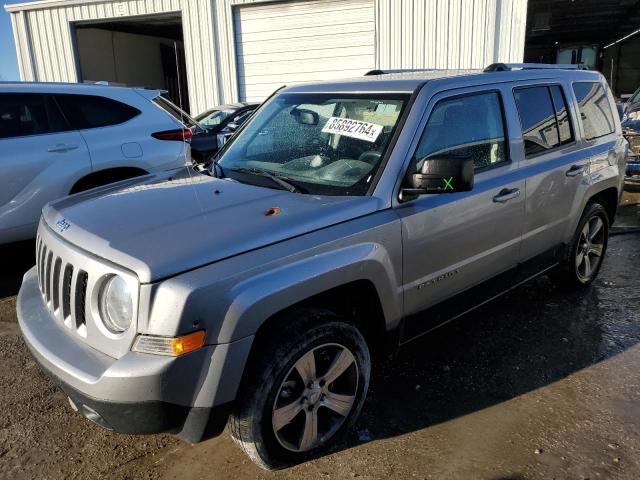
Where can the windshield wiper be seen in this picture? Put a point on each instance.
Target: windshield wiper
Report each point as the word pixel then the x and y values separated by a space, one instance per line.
pixel 284 184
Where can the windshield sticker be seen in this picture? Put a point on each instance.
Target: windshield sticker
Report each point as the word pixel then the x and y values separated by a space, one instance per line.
pixel 368 132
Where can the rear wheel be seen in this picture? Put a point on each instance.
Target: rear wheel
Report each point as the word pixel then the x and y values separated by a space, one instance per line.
pixel 307 387
pixel 585 254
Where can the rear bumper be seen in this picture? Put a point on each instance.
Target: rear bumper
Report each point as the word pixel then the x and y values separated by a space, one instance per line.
pixel 136 393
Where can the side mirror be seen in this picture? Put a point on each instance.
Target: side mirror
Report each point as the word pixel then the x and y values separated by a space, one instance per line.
pixel 441 175
pixel 305 117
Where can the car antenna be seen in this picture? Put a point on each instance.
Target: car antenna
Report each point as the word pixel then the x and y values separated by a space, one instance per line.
pixel 182 119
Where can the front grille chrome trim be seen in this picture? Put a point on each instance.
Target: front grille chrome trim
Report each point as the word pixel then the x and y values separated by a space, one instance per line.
pixel 69 281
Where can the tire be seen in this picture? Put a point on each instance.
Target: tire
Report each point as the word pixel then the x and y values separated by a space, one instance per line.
pixel 583 258
pixel 309 339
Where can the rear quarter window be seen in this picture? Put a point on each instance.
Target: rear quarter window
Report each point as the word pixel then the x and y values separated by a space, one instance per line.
pixel 91 111
pixel 595 109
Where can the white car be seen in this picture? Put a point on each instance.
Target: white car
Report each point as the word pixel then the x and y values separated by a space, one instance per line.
pixel 57 139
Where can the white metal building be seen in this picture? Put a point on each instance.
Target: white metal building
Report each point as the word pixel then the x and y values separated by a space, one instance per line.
pixel 228 50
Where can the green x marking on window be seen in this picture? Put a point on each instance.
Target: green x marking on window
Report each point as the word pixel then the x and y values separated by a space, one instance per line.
pixel 448 183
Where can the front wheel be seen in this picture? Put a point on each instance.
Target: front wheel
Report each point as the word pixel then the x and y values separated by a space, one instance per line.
pixel 584 256
pixel 306 387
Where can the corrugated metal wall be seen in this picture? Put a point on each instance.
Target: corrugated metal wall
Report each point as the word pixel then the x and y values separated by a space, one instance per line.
pixel 44 40
pixel 414 34
pixel 409 34
pixel 449 33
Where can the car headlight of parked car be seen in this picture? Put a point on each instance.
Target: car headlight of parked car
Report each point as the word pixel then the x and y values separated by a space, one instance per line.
pixel 115 302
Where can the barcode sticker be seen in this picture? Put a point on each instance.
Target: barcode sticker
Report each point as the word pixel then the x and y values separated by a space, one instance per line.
pixel 368 132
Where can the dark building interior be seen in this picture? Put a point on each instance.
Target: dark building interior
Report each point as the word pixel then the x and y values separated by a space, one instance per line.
pixel 604 34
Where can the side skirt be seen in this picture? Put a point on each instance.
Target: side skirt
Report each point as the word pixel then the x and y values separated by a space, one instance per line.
pixel 416 325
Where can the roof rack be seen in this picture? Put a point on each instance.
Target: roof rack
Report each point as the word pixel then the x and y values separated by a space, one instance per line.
pixel 507 67
pixel 400 70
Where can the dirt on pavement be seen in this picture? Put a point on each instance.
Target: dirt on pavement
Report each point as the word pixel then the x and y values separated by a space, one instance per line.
pixel 538 384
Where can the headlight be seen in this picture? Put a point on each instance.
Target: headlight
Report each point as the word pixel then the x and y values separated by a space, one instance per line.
pixel 116 304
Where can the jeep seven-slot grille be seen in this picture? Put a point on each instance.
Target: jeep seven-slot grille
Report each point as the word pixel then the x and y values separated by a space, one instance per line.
pixel 60 288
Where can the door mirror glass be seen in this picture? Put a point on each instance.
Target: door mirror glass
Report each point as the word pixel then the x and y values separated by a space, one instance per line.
pixel 441 175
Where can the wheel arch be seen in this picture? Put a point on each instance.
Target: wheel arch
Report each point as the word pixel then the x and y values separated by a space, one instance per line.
pixel 106 176
pixel 356 302
pixel 358 282
pixel 608 198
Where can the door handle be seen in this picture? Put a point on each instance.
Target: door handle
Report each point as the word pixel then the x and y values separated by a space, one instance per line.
pixel 60 148
pixel 575 170
pixel 506 194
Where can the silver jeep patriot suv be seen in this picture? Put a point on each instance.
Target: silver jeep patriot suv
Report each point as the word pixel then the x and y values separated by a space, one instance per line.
pixel 345 217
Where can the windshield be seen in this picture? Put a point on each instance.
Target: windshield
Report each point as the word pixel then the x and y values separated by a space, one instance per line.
pixel 214 118
pixel 326 144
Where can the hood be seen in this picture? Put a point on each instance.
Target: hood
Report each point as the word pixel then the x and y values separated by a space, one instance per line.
pixel 161 225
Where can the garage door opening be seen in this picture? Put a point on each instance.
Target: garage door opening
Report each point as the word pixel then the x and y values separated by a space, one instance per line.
pixel 602 34
pixel 137 52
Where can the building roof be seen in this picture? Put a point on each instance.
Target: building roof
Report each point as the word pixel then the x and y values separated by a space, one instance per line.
pixel 40 4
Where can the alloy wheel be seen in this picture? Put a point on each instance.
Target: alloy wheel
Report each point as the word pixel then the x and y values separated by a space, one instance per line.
pixel 315 397
pixel 590 248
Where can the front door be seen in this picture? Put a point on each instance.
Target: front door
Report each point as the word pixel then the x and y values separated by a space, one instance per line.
pixel 452 242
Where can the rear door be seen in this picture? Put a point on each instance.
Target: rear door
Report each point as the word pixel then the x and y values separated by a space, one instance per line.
pixel 452 242
pixel 42 156
pixel 103 123
pixel 556 167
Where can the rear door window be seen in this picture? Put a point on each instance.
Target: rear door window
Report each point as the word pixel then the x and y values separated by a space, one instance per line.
pixel 91 111
pixel 595 109
pixel 562 114
pixel 543 117
pixel 466 126
pixel 22 115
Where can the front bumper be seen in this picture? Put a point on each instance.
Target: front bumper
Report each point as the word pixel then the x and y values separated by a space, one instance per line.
pixel 136 393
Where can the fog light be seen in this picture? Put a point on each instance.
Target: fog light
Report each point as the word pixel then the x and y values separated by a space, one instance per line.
pixel 172 346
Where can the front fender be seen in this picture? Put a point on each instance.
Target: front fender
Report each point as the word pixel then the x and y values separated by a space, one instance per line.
pixel 232 298
pixel 262 296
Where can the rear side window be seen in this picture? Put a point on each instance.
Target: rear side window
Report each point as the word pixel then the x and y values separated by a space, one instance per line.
pixel 465 126
pixel 595 110
pixel 543 117
pixel 90 111
pixel 562 114
pixel 22 115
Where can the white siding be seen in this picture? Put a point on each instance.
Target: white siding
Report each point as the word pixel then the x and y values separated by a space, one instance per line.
pixel 449 33
pixel 302 41
pixel 407 33
pixel 410 34
pixel 46 52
